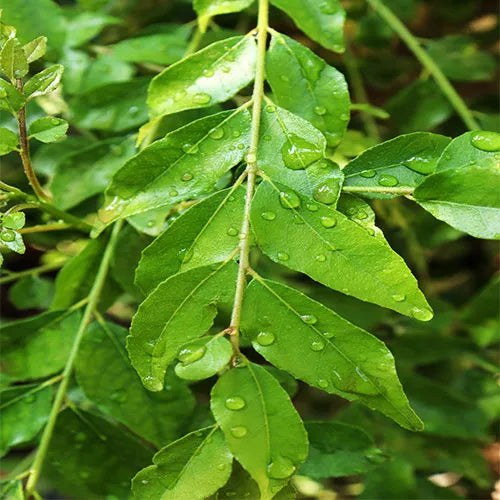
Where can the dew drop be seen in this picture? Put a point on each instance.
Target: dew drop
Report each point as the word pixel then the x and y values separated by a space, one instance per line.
pixel 310 319
pixel 232 231
pixel 236 134
pixel 280 468
pixel 190 354
pixel 179 95
pixel 144 482
pixel 268 215
pixel 270 109
pixel 398 297
pixel 265 338
pixel 312 207
pixel 289 199
pixel 173 192
pixel 54 121
pixel 361 374
pixel 298 153
pixel 328 335
pixel 361 215
pixel 190 149
pixel 317 345
pixel 149 347
pixel 321 257
pixel 420 165
pixel 241 146
pixel 320 110
pixel 235 403
pixel 201 98
pixel 297 219
pixel 283 256
pixel 387 180
pixel 267 137
pixel 486 141
pixel 187 177
pixel 284 78
pixel 322 383
pixel 239 431
pixel 7 235
pixel 217 133
pixel 344 117
pixel 208 72
pixel 133 110
pixel 152 383
pixel 221 466
pixel 328 222
pixel 327 192
pixel 422 314
pixel 368 173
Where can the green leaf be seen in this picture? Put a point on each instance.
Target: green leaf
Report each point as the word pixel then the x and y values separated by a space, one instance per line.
pixel 92 456
pixel 11 490
pixel 465 197
pixel 13 59
pixel 159 48
pixel 292 151
pixel 400 162
pixel 191 468
pixel 45 82
pixel 460 59
pixel 12 240
pixel 186 163
pixel 320 91
pixel 113 107
pixel 86 25
pixel 324 244
pixel 10 98
pixel 240 485
pixel 48 129
pixel 181 309
pixel 316 345
pixel 212 75
pixel 13 220
pixel 104 373
pixel 88 171
pixel 106 69
pixel 205 234
pixel 33 18
pixel 210 8
pixel 262 428
pixel 31 292
pixel 38 346
pixel 337 449
pixel 25 410
pixel 8 141
pixel 322 21
pixel 35 49
pixel 216 353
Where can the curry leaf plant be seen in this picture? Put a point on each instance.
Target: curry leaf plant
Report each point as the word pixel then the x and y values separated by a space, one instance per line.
pixel 227 224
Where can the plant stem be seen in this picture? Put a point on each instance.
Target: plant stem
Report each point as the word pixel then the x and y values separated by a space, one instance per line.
pixel 93 299
pixel 251 159
pixel 413 44
pixel 43 228
pixel 31 272
pixel 375 189
pixel 25 151
pixel 359 92
pixel 195 42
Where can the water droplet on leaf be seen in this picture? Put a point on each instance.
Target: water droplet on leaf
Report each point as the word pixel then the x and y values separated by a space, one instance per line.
pixel 310 319
pixel 201 98
pixel 283 256
pixel 268 215
pixel 328 222
pixel 239 431
pixel 280 468
pixel 191 353
pixel 387 180
pixel 317 345
pixel 265 338
pixel 232 231
pixel 368 173
pixel 327 192
pixel 289 199
pixel 486 141
pixel 235 403
pixel 298 153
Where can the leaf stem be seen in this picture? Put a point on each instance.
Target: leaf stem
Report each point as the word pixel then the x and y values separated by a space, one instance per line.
pixel 195 42
pixel 31 272
pixel 251 159
pixel 376 189
pixel 43 228
pixel 413 44
pixel 93 299
pixel 25 151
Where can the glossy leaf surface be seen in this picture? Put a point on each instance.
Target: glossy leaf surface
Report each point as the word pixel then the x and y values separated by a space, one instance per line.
pixel 48 129
pixel 181 309
pixel 44 83
pixel 263 430
pixel 193 467
pixel 212 75
pixel 316 345
pixel 320 91
pixel 107 378
pixel 324 244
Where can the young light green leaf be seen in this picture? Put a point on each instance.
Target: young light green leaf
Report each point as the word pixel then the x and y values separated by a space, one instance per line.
pixel 337 449
pixel 35 49
pixel 212 75
pixel 13 60
pixel 10 98
pixel 11 490
pixel 36 347
pixel 466 197
pixel 8 141
pixel 400 162
pixel 104 373
pixel 324 244
pixel 91 455
pixel 263 430
pixel 292 151
pixel 31 292
pixel 210 8
pixel 206 233
pixel 12 240
pixel 191 468
pixel 320 91
pixel 323 21
pixel 86 25
pixel 203 358
pixel 13 220
pixel 44 83
pixel 25 410
pixel 314 344
pixel 87 171
pixel 181 309
pixel 186 163
pixel 113 107
pixel 48 129
pixel 468 149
